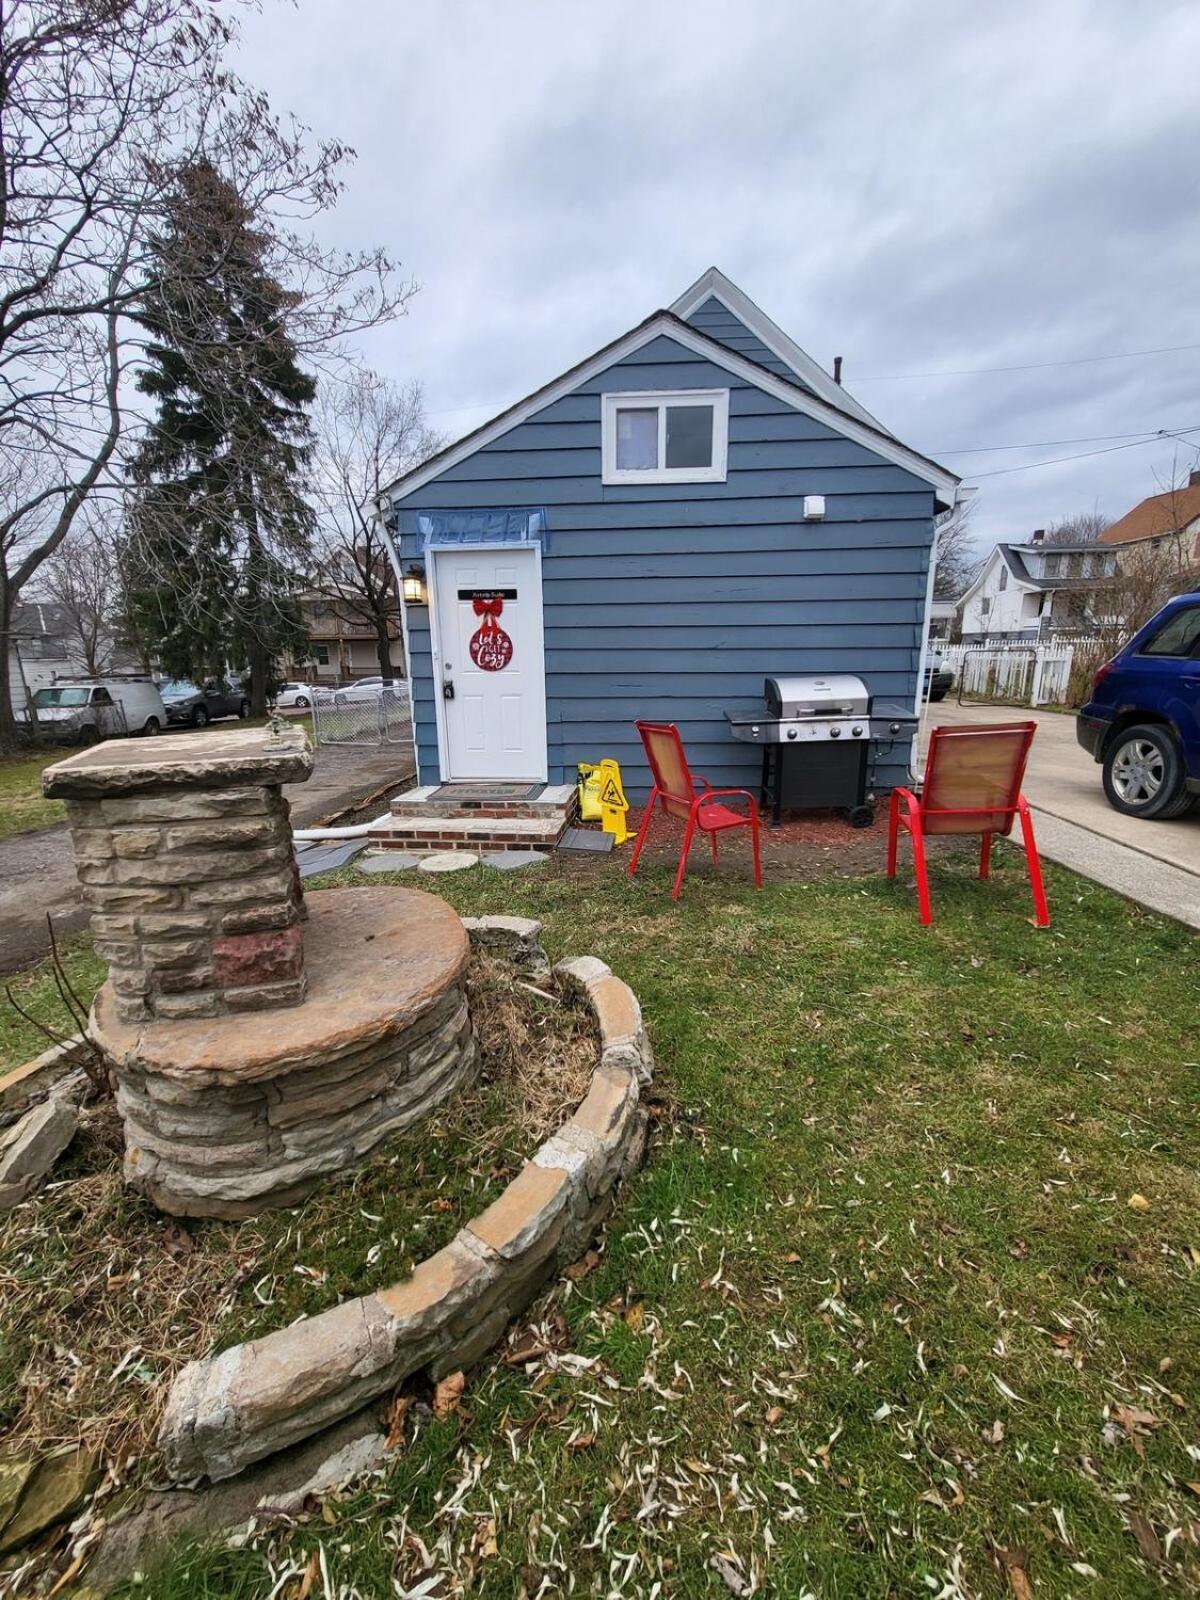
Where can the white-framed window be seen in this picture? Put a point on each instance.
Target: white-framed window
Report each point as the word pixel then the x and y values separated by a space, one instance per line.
pixel 665 436
pixel 1004 577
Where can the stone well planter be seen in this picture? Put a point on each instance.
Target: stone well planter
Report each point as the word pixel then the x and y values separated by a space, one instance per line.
pixel 228 1411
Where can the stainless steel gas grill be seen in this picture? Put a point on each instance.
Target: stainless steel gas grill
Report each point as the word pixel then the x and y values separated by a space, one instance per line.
pixel 822 738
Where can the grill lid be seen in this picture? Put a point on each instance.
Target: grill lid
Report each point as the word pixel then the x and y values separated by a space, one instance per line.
pixel 813 694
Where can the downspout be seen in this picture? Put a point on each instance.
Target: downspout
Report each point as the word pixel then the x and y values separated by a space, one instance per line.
pixel 920 703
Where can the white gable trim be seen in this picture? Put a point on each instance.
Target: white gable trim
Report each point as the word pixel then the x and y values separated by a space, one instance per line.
pixel 939 478
pixel 714 285
pixel 997 556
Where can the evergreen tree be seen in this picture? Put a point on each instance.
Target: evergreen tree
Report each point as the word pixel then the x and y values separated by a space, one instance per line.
pixel 218 526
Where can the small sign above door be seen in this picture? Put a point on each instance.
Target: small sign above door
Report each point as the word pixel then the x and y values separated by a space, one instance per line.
pixel 487 594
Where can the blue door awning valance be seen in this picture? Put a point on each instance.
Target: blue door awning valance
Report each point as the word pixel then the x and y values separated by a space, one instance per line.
pixel 482 527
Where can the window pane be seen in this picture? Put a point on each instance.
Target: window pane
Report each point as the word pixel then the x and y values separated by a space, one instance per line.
pixel 637 441
pixel 689 436
pixel 1179 637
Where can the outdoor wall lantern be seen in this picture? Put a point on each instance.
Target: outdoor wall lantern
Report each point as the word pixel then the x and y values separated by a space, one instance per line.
pixel 414 584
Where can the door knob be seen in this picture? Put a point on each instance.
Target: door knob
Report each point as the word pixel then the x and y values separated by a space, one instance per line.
pixel 448 690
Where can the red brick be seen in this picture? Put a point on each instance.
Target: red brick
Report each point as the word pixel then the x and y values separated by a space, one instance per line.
pixel 242 960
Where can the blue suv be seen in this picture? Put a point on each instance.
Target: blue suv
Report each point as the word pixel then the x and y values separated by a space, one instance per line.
pixel 1143 720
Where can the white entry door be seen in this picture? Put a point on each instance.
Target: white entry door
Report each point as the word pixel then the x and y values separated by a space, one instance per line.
pixel 490 667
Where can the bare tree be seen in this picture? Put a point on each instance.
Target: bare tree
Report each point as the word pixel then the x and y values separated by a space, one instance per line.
pixel 1083 527
pixel 100 102
pixel 81 577
pixel 368 432
pixel 958 558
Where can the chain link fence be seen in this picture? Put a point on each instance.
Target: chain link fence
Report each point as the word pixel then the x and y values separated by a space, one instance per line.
pixel 338 717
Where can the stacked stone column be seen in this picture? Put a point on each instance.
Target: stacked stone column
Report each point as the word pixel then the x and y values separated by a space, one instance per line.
pixel 184 853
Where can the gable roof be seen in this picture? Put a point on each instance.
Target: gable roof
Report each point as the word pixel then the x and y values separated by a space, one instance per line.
pixel 714 285
pixel 1013 558
pixel 1155 516
pixel 849 424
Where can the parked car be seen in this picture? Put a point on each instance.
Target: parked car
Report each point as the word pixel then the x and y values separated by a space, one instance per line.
pixel 298 696
pixel 1143 719
pixel 86 710
pixel 189 702
pixel 939 680
pixel 370 689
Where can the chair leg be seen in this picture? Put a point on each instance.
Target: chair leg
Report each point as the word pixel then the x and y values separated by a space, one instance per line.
pixel 754 847
pixel 688 834
pixel 985 856
pixel 921 873
pixel 643 831
pixel 893 832
pixel 712 839
pixel 1033 861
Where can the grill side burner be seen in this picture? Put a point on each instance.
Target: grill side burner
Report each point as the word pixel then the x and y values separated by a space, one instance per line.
pixel 821 738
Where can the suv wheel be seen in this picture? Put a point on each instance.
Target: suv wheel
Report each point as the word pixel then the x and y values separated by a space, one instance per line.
pixel 199 717
pixel 303 702
pixel 243 708
pixel 1143 773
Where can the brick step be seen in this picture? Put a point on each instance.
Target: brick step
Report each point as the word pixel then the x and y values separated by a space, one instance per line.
pixel 557 800
pixel 477 834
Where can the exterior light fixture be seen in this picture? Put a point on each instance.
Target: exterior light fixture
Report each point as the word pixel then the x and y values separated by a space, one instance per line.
pixel 814 507
pixel 414 584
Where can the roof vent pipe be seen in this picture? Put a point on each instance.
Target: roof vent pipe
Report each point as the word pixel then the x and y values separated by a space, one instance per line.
pixel 837 369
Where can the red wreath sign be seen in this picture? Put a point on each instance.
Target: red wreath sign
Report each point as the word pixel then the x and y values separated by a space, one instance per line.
pixel 491 648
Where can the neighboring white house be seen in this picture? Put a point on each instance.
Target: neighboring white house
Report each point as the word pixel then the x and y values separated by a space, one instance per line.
pixel 1026 591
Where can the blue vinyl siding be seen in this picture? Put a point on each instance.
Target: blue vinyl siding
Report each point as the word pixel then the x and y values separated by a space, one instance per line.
pixel 674 601
pixel 718 322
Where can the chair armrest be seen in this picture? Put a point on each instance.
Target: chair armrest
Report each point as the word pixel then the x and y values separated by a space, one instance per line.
pixel 701 785
pixel 709 794
pixel 906 798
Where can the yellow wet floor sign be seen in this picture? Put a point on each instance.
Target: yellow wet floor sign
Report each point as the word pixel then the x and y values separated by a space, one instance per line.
pixel 613 804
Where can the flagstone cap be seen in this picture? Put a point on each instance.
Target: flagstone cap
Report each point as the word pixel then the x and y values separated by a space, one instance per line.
pixel 215 759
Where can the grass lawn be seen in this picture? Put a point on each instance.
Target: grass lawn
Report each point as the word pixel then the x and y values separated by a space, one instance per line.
pixel 21 803
pixel 878 1317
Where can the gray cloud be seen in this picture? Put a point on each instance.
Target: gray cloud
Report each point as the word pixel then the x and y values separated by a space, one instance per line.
pixel 917 187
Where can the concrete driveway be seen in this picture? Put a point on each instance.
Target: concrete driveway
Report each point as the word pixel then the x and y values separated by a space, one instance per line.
pixel 1154 863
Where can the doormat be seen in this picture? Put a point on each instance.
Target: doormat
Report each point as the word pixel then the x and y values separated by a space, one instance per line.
pixel 482 794
pixel 586 840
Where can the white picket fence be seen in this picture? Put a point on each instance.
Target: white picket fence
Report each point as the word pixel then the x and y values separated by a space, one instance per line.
pixel 1020 674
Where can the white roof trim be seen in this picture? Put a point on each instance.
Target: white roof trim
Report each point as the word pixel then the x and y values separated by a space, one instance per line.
pixel 713 284
pixel 998 555
pixel 883 444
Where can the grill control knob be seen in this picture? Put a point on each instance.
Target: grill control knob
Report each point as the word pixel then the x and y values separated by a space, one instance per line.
pixel 835 733
pixel 857 732
pixel 791 733
pixel 894 728
pixel 754 731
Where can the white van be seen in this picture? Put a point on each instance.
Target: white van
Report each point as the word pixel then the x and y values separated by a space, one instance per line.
pixel 86 710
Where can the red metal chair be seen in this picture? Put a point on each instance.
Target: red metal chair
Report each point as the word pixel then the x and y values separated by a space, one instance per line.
pixel 972 785
pixel 693 800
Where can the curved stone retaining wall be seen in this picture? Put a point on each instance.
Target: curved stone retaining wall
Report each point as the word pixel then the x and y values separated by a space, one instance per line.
pixel 227 1116
pixel 228 1411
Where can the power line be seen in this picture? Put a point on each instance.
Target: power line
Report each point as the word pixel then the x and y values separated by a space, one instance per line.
pixel 1050 444
pixel 1029 366
pixel 1082 455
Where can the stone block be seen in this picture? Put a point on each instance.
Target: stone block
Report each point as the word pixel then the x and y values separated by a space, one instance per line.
pixel 522 1219
pixel 256 919
pixel 186 1005
pixel 171 924
pixel 185 980
pixel 120 953
pixel 263 886
pixel 136 843
pixel 244 959
pixel 265 996
pixel 174 953
pixel 228 834
pixel 31 1146
pixel 179 806
pixel 582 971
pixel 115 897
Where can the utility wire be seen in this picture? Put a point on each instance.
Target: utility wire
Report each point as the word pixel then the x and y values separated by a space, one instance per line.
pixel 1082 455
pixel 1049 444
pixel 1028 366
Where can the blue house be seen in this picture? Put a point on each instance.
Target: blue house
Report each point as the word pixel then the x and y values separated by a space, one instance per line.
pixel 691 508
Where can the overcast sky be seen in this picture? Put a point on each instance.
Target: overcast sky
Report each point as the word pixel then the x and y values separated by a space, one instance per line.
pixel 920 188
